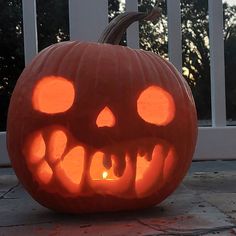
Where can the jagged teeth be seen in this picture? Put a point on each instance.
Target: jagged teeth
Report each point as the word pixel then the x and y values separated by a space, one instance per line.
pixel 143 167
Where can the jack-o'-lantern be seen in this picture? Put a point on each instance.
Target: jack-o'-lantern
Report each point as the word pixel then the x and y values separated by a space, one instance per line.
pixel 101 127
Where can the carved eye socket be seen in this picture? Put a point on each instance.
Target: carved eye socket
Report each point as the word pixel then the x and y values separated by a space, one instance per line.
pixel 156 106
pixel 53 94
pixel 106 118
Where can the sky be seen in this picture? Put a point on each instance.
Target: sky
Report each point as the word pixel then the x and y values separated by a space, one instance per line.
pixel 230 2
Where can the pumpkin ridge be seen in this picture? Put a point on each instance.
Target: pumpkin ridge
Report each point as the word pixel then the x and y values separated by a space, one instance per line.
pixel 187 95
pixel 130 68
pixel 159 61
pixel 68 53
pixel 42 55
pixel 181 82
pixel 151 68
pixel 52 58
pixel 164 77
pixel 80 57
pixel 190 127
pixel 100 57
pixel 118 69
pixel 138 59
pixel 60 53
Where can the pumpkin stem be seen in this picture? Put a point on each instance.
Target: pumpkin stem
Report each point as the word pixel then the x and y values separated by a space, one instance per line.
pixel 114 31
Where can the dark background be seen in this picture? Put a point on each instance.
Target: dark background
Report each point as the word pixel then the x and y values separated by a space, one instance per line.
pixel 53 27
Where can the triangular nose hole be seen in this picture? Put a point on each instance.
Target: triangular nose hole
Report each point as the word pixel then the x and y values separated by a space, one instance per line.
pixel 106 118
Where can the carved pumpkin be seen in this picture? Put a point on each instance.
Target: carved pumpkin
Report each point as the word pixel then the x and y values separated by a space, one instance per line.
pixel 100 127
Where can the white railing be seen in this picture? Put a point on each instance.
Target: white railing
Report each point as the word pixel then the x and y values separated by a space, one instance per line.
pixel 87 20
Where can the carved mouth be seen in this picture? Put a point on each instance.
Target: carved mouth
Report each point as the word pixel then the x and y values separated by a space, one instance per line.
pixel 135 168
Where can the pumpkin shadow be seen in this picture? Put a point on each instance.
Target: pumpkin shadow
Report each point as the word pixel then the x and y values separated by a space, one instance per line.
pixel 89 219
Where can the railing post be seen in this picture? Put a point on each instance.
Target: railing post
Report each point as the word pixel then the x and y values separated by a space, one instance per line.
pixel 133 30
pixel 217 63
pixel 30 29
pixel 174 33
pixel 88 18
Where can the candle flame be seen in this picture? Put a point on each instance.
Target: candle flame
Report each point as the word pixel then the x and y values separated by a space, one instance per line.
pixel 104 174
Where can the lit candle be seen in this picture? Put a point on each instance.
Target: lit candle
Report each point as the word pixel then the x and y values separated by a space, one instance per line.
pixel 104 174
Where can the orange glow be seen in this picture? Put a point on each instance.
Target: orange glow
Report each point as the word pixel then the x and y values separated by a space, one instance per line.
pixel 106 118
pixel 152 172
pixel 73 165
pixel 57 145
pixel 73 169
pixel 53 94
pixel 37 148
pixel 141 167
pixel 97 169
pixel 156 106
pixel 44 173
pixel 170 164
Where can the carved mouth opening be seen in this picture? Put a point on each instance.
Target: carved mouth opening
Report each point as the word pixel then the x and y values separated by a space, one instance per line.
pixel 135 168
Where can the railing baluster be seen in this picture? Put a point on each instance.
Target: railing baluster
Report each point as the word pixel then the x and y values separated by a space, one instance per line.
pixel 133 30
pixel 30 29
pixel 174 33
pixel 88 18
pixel 217 63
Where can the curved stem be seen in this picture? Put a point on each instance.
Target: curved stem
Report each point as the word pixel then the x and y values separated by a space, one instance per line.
pixel 114 31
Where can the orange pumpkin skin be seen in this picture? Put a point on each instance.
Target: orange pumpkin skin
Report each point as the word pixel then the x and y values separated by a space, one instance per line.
pixel 100 76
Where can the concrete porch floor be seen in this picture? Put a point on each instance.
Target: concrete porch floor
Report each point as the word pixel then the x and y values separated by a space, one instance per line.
pixel 204 204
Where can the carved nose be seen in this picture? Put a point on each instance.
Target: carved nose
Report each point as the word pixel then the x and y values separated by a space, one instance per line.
pixel 105 118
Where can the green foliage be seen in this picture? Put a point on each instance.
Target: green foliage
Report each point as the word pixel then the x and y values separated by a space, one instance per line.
pixel 154 35
pixel 114 8
pixel 52 22
pixel 230 60
pixel 11 52
pixel 196 58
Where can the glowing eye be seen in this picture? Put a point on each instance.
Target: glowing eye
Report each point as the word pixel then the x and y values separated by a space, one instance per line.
pixel 106 118
pixel 156 106
pixel 53 94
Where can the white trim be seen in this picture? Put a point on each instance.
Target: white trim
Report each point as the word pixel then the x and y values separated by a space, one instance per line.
pixel 217 63
pixel 216 143
pixel 174 33
pixel 212 144
pixel 30 29
pixel 133 30
pixel 87 18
